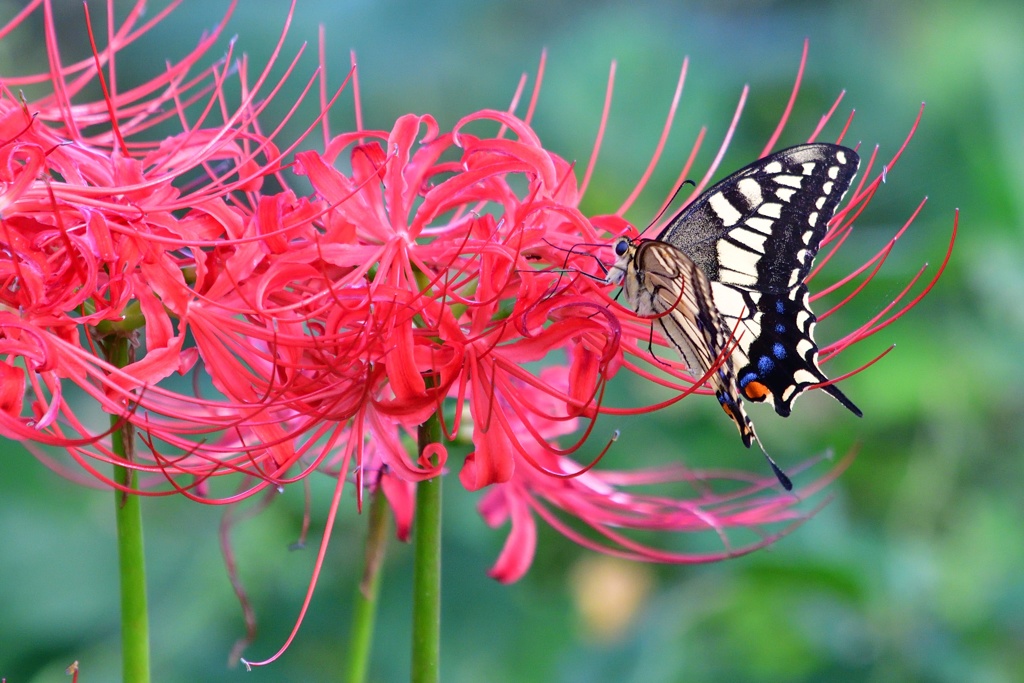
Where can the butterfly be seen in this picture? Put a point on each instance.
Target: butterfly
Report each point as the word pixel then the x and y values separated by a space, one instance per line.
pixel 726 278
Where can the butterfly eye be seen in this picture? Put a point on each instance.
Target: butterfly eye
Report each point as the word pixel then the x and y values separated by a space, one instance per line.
pixel 621 246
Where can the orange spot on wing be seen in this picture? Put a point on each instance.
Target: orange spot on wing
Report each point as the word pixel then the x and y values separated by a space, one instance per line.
pixel 756 391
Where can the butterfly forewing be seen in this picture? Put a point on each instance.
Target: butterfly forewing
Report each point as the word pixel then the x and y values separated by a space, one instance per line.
pixel 662 283
pixel 760 227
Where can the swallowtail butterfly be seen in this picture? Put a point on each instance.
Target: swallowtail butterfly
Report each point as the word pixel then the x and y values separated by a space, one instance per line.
pixel 728 272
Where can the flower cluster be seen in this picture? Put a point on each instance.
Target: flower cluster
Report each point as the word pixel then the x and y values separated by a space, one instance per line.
pixel 429 272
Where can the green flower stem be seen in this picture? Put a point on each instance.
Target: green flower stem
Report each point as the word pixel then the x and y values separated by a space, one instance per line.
pixel 365 612
pixel 131 320
pixel 426 578
pixel 130 547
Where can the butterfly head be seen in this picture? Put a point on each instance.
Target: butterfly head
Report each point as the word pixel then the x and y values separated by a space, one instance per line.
pixel 624 249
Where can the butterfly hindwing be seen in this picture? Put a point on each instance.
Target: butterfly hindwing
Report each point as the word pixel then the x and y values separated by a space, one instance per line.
pixel 755 235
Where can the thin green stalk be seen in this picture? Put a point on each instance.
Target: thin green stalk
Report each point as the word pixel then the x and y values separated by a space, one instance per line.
pixel 426 579
pixel 365 613
pixel 130 547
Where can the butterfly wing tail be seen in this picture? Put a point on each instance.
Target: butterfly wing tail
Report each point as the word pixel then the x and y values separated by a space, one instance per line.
pixel 838 395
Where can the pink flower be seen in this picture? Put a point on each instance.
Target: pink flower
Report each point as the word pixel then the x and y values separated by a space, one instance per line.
pixel 457 301
pixel 106 232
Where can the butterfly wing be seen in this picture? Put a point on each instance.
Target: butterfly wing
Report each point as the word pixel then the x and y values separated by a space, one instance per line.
pixel 754 235
pixel 664 284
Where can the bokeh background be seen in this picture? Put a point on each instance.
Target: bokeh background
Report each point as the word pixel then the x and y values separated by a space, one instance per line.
pixel 914 572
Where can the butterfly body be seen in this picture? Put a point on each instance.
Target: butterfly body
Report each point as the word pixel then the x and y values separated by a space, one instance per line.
pixel 724 281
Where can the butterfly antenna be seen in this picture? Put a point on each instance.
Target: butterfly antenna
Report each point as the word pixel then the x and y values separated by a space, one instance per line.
pixel 779 474
pixel 570 252
pixel 670 202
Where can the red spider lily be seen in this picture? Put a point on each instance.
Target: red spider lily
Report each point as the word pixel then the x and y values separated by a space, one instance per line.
pixel 426 274
pixel 102 230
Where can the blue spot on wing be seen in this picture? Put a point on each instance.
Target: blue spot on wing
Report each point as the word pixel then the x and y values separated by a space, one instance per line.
pixel 778 350
pixel 780 306
pixel 747 379
pixel 780 328
pixel 765 364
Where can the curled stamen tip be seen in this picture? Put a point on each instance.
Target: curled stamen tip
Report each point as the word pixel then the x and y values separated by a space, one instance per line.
pixel 615 435
pixel 280 489
pixel 245 664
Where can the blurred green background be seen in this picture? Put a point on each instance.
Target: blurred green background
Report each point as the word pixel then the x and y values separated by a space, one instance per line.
pixel 915 572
